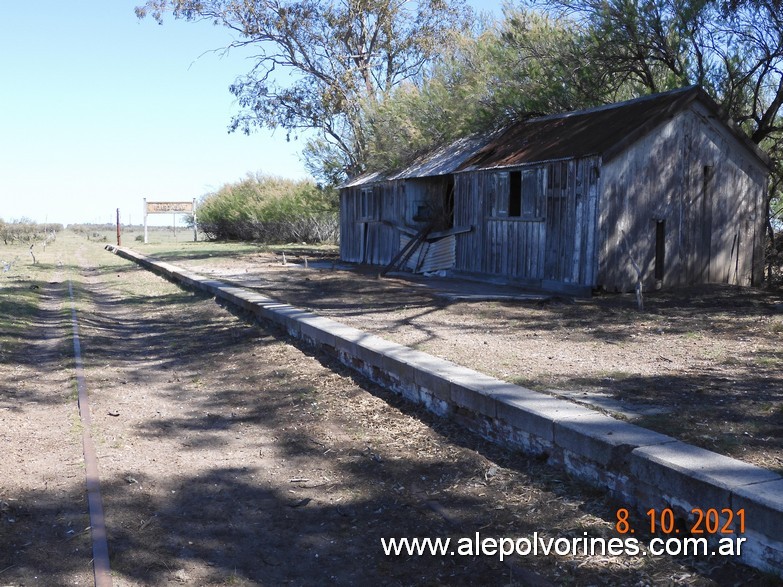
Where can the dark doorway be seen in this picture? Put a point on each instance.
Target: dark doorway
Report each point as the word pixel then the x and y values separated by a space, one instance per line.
pixel 448 203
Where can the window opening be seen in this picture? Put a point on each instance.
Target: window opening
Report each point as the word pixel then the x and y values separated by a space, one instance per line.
pixel 515 194
pixel 423 211
pixel 524 196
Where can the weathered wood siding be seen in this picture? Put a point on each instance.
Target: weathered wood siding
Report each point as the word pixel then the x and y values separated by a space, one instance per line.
pixel 685 203
pixel 551 240
pixel 704 187
pixel 368 215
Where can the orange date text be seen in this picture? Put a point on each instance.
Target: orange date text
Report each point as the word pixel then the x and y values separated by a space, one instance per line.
pixel 703 521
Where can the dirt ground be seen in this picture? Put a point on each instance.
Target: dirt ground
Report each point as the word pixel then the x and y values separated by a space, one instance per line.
pixel 229 456
pixel 702 364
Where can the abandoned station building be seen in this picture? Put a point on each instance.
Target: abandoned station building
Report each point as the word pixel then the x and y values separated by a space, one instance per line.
pixel 659 188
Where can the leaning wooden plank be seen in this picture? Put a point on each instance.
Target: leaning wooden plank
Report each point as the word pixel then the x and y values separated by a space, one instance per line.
pixel 402 257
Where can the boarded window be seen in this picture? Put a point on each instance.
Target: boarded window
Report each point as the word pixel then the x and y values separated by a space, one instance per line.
pixel 557 178
pixel 370 206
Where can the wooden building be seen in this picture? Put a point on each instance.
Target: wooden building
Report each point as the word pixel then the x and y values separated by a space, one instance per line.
pixel 659 189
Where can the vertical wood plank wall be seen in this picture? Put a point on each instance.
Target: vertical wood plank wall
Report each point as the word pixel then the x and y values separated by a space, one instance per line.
pixel 367 215
pixel 558 246
pixel 690 180
pixel 706 188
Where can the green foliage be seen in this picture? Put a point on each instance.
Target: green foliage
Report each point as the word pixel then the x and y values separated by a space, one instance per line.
pixel 731 48
pixel 734 50
pixel 529 64
pixel 270 209
pixel 27 231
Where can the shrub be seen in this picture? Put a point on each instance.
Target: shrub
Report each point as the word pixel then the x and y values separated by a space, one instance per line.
pixel 774 260
pixel 25 230
pixel 270 209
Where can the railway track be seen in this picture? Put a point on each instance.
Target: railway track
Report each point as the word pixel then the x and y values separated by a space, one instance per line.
pixel 229 456
pixel 100 547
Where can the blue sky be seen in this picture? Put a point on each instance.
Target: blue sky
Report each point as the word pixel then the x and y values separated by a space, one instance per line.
pixel 99 110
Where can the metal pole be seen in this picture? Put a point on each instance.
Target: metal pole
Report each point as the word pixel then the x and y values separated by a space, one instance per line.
pixel 145 221
pixel 118 228
pixel 195 222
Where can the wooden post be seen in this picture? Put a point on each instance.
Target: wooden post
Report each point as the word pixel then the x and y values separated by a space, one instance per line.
pixel 145 221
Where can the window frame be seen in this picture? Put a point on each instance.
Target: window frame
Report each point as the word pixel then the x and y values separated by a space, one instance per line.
pixel 513 201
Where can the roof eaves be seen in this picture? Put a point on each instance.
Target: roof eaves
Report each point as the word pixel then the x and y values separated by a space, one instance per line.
pixel 689 92
pixel 363 179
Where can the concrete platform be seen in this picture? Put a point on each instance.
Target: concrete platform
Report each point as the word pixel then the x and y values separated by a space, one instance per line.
pixel 643 469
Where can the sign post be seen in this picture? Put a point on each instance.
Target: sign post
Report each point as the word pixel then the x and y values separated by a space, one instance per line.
pixel 171 208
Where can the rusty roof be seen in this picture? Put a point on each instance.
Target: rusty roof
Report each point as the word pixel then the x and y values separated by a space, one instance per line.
pixel 440 161
pixel 605 130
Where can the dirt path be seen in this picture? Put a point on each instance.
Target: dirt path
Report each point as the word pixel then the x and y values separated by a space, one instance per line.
pixel 44 527
pixel 230 457
pixel 710 356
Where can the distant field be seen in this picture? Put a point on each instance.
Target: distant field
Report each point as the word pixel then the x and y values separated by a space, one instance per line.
pixel 135 235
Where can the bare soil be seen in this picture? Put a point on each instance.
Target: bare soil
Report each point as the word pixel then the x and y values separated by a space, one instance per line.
pixel 702 364
pixel 44 527
pixel 229 456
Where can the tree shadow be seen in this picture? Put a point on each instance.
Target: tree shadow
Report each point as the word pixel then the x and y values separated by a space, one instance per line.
pixel 243 522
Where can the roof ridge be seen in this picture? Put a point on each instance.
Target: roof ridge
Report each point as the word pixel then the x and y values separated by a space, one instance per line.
pixel 695 88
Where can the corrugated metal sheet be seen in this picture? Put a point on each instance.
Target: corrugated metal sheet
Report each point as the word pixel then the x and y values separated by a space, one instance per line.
pixel 364 179
pixel 445 160
pixel 441 161
pixel 604 130
pixel 438 255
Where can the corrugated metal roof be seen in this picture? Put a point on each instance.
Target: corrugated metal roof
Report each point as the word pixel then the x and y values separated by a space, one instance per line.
pixel 442 161
pixel 364 179
pixel 605 130
pixel 445 160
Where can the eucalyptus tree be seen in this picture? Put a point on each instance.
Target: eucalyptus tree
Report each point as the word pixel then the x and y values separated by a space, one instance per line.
pixel 319 64
pixel 525 64
pixel 732 48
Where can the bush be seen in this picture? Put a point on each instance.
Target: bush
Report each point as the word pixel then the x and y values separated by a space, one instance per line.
pixel 25 230
pixel 774 260
pixel 271 210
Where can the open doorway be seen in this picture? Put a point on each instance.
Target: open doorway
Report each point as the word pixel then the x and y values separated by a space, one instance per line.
pixel 448 202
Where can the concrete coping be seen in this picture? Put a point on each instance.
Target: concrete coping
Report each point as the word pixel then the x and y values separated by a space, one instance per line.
pixel 680 474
